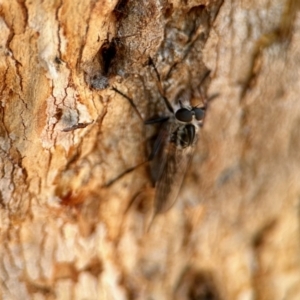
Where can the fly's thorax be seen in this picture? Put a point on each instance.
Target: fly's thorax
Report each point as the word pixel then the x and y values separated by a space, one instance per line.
pixel 184 135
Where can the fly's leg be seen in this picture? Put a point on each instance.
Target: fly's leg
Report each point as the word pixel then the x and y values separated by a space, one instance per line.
pixel 160 88
pixel 154 150
pixel 130 101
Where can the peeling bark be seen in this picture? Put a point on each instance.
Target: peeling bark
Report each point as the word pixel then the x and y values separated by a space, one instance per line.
pixel 71 226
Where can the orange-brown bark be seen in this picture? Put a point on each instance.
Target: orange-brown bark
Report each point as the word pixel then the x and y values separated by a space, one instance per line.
pixel 68 229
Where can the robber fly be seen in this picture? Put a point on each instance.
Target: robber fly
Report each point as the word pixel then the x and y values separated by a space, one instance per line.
pixel 172 152
pixel 173 148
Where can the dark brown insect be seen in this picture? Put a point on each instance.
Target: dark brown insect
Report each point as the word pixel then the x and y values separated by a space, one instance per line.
pixel 172 153
pixel 173 148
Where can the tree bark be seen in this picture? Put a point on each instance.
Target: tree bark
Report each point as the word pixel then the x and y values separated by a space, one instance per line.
pixel 75 212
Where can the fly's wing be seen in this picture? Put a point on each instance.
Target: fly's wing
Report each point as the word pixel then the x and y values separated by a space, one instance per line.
pixel 172 162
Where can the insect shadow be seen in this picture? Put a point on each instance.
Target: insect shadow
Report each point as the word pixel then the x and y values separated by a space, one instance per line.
pixel 173 148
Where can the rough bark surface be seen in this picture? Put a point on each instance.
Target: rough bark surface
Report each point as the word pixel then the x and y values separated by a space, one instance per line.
pixel 71 227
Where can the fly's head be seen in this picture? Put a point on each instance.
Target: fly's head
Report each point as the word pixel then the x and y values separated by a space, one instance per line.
pixel 190 115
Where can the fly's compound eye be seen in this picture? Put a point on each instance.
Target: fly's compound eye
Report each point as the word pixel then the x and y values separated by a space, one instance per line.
pixel 199 113
pixel 184 115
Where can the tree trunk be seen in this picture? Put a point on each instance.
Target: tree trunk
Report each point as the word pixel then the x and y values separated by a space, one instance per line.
pixel 76 215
